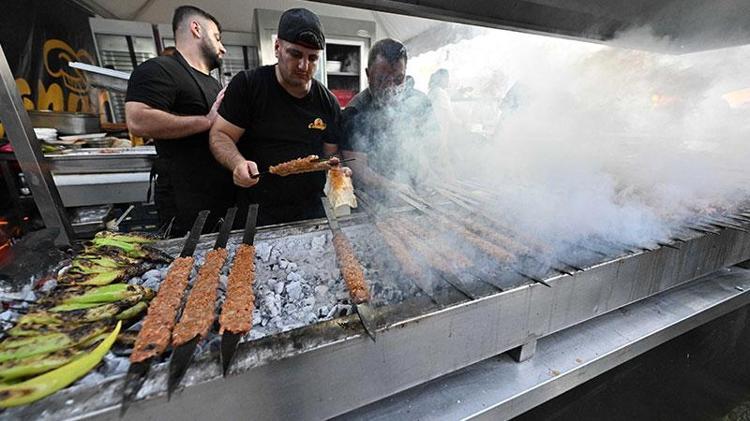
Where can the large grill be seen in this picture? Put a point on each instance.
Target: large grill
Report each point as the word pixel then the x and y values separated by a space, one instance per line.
pixel 296 366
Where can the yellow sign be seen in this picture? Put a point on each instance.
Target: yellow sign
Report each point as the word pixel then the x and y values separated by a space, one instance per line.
pixel 57 54
pixel 317 124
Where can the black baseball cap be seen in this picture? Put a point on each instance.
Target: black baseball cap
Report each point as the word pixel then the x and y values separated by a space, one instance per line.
pixel 301 26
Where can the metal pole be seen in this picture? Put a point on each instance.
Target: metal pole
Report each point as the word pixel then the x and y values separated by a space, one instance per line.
pixel 28 151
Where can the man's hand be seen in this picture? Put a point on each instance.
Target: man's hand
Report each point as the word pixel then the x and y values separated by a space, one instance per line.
pixel 335 162
pixel 214 112
pixel 243 172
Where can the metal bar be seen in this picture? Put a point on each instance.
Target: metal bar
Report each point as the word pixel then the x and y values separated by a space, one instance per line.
pixel 28 151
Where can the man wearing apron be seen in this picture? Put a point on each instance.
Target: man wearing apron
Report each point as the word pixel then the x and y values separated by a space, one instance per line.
pixel 174 100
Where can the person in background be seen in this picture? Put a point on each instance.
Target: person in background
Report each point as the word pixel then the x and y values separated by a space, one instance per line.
pixel 387 128
pixel 409 82
pixel 277 113
pixel 174 100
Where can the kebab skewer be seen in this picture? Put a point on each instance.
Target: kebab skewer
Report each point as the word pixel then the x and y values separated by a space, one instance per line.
pixel 351 271
pixel 156 331
pixel 200 308
pixel 237 312
pixel 310 163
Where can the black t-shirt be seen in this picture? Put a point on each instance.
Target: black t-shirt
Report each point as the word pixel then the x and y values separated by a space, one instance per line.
pixel 280 127
pixel 397 138
pixel 169 84
pixel 190 178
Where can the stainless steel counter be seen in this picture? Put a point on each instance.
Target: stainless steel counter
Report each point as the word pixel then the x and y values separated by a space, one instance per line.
pixel 101 176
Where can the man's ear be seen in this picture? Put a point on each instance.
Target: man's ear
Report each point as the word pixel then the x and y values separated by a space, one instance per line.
pixel 195 28
pixel 277 48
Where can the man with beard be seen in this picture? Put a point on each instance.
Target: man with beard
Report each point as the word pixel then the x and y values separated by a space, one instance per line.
pixel 388 129
pixel 174 100
pixel 277 113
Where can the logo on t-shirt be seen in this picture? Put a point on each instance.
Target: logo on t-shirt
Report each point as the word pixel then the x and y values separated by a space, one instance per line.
pixel 317 124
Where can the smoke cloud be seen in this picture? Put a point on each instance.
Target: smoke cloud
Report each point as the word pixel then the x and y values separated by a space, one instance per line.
pixel 570 140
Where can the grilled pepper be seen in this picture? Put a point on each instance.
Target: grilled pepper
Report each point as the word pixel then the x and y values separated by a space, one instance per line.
pixel 50 382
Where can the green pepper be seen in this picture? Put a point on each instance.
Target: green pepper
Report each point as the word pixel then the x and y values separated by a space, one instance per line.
pixel 133 311
pixel 11 370
pixel 48 383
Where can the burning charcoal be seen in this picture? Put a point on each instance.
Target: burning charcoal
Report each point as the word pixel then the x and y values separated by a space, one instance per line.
pixel 134 281
pixel 223 282
pixel 8 316
pixel 291 267
pixel 27 294
pixel 307 310
pixel 294 277
pixel 279 288
pixel 214 345
pixel 48 286
pixel 332 312
pixel 290 308
pixel 311 318
pixel 263 251
pixel 256 317
pixel 153 273
pixel 308 301
pixel 344 310
pixel 273 309
pixel 152 283
pixel 114 365
pixel 294 289
pixel 318 242
pixel 321 290
pixel 283 263
pixel 322 312
pixel 93 378
pixel 275 254
pixel 263 322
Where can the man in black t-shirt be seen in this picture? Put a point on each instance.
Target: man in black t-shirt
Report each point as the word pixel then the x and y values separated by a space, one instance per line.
pixel 389 130
pixel 174 100
pixel 275 114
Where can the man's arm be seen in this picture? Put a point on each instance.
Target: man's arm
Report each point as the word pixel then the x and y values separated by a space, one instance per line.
pixel 146 121
pixel 222 141
pixel 363 173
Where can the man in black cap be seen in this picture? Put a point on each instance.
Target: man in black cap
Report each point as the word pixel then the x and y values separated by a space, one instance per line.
pixel 277 113
pixel 174 100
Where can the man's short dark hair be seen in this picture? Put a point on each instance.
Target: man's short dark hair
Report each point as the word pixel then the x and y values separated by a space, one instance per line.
pixel 390 49
pixel 183 13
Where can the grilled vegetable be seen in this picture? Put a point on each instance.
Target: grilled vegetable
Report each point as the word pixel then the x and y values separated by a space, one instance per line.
pixel 101 278
pixel 50 382
pixel 24 347
pixel 109 294
pixel 133 311
pixel 11 370
pixel 141 238
pixel 46 318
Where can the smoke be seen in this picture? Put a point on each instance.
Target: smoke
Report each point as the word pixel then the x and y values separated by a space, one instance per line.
pixel 579 140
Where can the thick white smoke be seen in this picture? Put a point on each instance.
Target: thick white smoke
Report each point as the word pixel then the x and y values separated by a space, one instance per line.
pixel 597 140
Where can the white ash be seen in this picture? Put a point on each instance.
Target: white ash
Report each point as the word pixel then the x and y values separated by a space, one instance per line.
pixel 48 286
pixel 8 316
